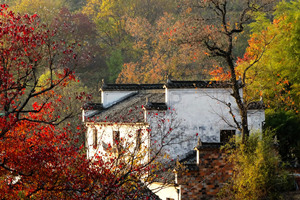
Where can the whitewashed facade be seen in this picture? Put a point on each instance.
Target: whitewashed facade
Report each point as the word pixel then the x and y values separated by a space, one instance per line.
pixel 186 109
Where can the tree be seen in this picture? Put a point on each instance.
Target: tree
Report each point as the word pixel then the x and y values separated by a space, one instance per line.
pixel 78 28
pixel 277 44
pixel 34 154
pixel 160 57
pixel 258 171
pixel 276 76
pixel 111 18
pixel 215 25
pixel 47 10
pixel 38 159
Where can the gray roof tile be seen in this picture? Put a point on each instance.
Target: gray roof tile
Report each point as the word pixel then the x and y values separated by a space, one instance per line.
pixel 129 110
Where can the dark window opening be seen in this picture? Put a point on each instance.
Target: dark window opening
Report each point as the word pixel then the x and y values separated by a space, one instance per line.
pixel 226 135
pixel 95 138
pixel 116 137
pixel 138 139
pixel 116 141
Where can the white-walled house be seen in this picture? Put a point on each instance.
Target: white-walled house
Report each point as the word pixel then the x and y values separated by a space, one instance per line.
pixel 185 110
pixel 172 116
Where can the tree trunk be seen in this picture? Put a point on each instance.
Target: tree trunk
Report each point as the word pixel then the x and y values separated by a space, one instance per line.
pixel 236 86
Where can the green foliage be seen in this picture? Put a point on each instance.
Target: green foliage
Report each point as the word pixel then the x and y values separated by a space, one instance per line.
pixel 286 127
pixel 115 64
pixel 258 171
pixel 274 50
pixel 47 10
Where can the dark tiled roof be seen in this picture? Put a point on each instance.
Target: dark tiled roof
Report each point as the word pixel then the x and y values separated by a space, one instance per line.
pixel 129 110
pixel 192 167
pixel 141 192
pixel 189 158
pixel 257 105
pixel 92 106
pixel 190 161
pixel 156 106
pixel 197 84
pixel 107 87
pixel 209 145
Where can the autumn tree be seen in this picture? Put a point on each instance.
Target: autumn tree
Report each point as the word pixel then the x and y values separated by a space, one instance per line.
pixel 111 19
pixel 276 75
pixel 30 145
pixel 216 25
pixel 109 16
pixel 78 28
pixel 38 159
pixel 160 56
pixel 47 10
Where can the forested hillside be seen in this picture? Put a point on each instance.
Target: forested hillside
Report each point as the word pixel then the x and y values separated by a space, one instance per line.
pixel 126 41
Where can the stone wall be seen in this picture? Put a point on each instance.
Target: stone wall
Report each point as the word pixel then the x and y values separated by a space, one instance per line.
pixel 204 180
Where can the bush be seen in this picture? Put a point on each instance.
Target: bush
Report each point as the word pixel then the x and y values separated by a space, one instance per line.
pixel 258 170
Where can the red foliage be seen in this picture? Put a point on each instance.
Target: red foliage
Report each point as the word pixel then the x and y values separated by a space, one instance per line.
pixel 37 159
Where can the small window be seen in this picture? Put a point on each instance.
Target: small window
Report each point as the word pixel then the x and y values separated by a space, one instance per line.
pixel 95 138
pixel 116 137
pixel 138 139
pixel 116 142
pixel 226 135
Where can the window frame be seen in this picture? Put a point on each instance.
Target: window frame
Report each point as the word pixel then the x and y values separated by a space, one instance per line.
pixel 95 138
pixel 227 134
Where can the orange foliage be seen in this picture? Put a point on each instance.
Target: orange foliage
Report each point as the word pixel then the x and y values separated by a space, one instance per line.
pixel 218 74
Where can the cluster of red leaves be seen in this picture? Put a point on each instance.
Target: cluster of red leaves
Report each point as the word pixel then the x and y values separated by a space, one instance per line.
pixel 38 160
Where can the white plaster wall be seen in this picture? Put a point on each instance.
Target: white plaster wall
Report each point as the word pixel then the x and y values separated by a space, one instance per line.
pixel 166 133
pixel 165 191
pixel 109 98
pixel 105 135
pixel 255 120
pixel 200 113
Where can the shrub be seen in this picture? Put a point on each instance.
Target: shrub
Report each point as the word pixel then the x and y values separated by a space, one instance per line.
pixel 258 170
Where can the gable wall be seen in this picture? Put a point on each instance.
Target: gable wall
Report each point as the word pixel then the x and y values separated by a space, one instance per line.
pixel 199 113
pixel 109 98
